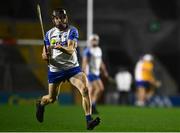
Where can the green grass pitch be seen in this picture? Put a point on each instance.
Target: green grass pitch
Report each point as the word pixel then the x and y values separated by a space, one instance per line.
pixel 71 118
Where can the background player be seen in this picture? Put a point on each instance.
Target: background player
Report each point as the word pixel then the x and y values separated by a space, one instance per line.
pixel 61 42
pixel 92 64
pixel 145 79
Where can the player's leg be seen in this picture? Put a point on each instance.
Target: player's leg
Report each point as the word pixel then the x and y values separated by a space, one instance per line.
pixel 91 93
pixel 81 83
pixel 98 88
pixel 101 88
pixel 140 95
pixel 50 98
pixel 149 95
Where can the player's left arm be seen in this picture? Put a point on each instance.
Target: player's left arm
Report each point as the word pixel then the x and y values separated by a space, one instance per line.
pixel 104 70
pixel 155 82
pixel 85 59
pixel 71 43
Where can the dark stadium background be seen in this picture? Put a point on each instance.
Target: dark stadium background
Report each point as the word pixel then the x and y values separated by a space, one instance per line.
pixel 127 29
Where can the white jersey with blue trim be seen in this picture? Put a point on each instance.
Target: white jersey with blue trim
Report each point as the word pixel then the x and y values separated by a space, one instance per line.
pixel 59 60
pixel 94 55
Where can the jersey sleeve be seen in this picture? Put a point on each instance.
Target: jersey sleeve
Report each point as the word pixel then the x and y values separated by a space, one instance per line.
pixel 86 53
pixel 46 39
pixel 73 35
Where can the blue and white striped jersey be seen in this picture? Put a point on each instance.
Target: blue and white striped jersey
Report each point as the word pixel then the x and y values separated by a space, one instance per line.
pixel 59 60
pixel 94 56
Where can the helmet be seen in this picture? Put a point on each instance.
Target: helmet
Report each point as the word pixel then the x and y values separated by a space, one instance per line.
pixel 148 57
pixel 94 37
pixel 59 12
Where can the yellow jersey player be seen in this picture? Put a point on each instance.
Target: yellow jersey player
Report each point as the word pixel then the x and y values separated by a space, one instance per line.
pixel 61 42
pixel 145 79
pixel 92 64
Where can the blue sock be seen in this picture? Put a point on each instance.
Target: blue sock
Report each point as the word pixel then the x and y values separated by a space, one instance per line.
pixel 94 105
pixel 88 118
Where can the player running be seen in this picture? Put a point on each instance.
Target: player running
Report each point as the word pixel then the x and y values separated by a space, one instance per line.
pixel 92 64
pixel 145 79
pixel 61 42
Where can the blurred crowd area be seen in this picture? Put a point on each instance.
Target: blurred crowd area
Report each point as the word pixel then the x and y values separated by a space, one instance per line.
pixel 127 30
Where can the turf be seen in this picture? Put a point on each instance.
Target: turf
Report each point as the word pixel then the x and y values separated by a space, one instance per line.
pixel 71 118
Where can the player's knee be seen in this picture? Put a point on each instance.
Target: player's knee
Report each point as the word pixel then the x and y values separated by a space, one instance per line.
pixel 48 99
pixel 85 92
pixel 45 99
pixel 52 99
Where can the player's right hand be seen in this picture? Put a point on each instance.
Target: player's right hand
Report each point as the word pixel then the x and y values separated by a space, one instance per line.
pixel 45 56
pixel 158 84
pixel 58 46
